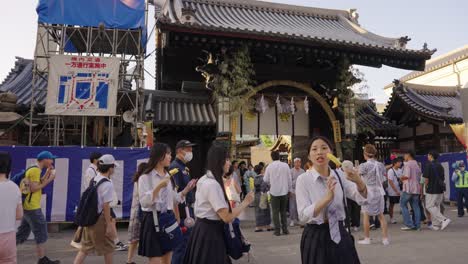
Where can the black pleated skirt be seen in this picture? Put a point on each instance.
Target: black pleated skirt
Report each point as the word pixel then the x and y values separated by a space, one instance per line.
pixel 318 248
pixel 206 244
pixel 150 241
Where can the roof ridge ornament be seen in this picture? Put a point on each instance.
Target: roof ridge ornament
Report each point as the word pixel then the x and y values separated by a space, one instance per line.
pixel 188 15
pixel 402 41
pixel 353 15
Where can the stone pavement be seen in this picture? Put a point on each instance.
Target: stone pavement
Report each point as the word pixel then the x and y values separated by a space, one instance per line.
pixel 449 246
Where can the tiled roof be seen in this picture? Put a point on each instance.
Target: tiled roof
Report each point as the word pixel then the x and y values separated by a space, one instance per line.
pixel 437 103
pixel 172 108
pixel 367 117
pixel 19 82
pixel 315 25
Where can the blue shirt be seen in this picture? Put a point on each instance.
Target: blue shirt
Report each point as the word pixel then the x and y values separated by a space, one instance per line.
pixel 182 178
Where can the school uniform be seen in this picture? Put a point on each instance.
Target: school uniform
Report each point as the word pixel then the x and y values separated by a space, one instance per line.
pixel 325 239
pixel 150 244
pixel 206 244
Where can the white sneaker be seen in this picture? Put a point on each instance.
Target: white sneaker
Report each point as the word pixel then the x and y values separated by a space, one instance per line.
pixel 75 244
pixel 445 223
pixel 292 223
pixel 385 241
pixel 355 229
pixel 435 228
pixel 365 241
pixel 393 221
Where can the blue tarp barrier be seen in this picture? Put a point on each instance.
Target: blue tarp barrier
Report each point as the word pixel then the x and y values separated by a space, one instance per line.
pixel 123 14
pixel 61 197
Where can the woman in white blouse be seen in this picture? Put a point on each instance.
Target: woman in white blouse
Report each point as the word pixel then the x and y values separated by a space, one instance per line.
pixel 320 203
pixel 156 193
pixel 206 244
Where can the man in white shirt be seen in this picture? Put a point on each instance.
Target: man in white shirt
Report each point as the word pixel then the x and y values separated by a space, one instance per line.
pixel 278 175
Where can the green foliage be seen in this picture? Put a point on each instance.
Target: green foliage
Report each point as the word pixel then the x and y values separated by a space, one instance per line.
pixel 235 77
pixel 267 141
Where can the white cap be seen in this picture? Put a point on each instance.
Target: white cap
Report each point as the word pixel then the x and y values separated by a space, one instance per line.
pixel 297 159
pixel 107 160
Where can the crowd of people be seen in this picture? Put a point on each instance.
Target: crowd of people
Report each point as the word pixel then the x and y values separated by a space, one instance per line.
pixel 176 218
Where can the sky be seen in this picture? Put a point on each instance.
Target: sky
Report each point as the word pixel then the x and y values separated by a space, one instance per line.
pixel 442 24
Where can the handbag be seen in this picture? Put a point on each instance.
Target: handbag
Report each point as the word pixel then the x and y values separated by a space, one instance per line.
pixel 347 220
pixel 166 222
pixel 235 242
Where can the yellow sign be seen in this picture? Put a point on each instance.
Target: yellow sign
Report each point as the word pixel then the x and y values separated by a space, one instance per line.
pixel 336 131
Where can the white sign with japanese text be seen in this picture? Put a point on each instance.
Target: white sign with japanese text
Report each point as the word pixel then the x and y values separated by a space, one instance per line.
pixel 82 86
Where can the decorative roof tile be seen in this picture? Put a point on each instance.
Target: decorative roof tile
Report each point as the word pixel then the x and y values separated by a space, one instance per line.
pixel 367 117
pixel 437 103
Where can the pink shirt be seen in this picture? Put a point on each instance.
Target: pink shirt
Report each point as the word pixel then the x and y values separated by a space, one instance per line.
pixel 413 172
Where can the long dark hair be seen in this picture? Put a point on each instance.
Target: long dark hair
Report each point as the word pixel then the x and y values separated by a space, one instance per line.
pixel 140 171
pixel 216 158
pixel 158 153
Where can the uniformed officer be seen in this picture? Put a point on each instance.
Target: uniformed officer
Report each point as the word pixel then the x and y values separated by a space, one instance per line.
pixel 460 178
pixel 184 154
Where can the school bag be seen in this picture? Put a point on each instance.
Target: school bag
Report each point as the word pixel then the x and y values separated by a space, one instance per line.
pixel 236 245
pixel 19 178
pixel 87 214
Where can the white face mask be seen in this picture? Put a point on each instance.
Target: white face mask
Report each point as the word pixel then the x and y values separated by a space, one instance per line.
pixel 188 156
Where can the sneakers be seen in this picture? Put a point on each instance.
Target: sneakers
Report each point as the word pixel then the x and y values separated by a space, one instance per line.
pixel 434 228
pixel 445 223
pixel 365 241
pixel 405 228
pixel 372 226
pixel 292 223
pixel 393 221
pixel 385 241
pixel 75 244
pixel 46 260
pixel 120 246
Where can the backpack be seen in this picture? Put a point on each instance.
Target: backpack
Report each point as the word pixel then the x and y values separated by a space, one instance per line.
pixel 236 245
pixel 87 214
pixel 18 179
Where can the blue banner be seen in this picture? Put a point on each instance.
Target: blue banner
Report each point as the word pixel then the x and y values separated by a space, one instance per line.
pixel 447 160
pixel 123 14
pixel 61 197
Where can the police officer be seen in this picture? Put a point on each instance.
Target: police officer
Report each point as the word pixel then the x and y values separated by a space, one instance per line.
pixel 460 178
pixel 184 154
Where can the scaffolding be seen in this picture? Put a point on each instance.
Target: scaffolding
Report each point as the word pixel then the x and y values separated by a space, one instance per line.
pixel 125 44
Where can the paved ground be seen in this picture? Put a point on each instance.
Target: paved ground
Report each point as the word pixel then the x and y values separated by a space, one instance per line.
pixel 426 246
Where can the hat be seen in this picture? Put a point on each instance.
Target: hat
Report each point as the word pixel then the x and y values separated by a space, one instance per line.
pixel 184 144
pixel 108 160
pixel 45 155
pixel 461 163
pixel 297 159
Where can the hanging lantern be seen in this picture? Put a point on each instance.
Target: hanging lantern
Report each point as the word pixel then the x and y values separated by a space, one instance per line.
pixel 278 104
pixel 293 107
pixel 261 105
pixel 306 105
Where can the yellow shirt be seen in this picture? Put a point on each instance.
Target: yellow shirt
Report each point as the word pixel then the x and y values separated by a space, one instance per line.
pixel 32 175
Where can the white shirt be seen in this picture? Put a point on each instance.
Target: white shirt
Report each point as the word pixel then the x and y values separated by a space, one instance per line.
pixel 10 198
pixel 90 173
pixel 105 191
pixel 393 175
pixel 311 188
pixel 146 186
pixel 209 198
pixel 294 174
pixel 278 175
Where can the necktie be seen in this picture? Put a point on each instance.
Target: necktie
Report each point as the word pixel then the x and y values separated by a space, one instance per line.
pixel 333 223
pixel 163 200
